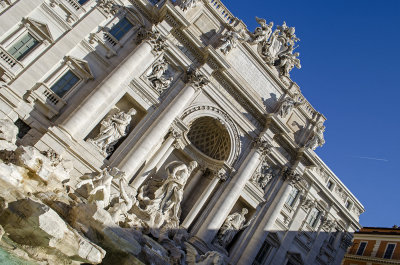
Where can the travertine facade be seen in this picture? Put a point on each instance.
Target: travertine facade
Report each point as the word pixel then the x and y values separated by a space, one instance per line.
pixel 162 133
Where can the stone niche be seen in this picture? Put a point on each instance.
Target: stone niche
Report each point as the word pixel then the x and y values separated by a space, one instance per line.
pixel 236 210
pixel 125 104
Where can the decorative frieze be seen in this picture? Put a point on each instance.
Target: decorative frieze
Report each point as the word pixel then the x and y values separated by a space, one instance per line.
pixel 159 76
pixel 263 175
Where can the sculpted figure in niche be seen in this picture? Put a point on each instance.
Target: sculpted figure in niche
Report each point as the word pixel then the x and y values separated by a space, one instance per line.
pixel 318 137
pixel 101 186
pixel 288 60
pixel 230 39
pixel 232 225
pixel 261 34
pixel 113 128
pixel 158 77
pixel 287 106
pixel 164 210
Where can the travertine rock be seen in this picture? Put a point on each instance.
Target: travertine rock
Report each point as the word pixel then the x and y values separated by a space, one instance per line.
pixel 47 167
pixel 97 224
pixel 8 135
pixel 29 222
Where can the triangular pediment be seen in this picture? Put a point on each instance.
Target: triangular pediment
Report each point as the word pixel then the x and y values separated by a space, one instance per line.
pixel 40 28
pixel 82 65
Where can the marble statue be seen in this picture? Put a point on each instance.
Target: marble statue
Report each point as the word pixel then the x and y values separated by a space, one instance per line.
pixel 317 139
pixel 209 258
pixel 187 4
pixel 113 128
pixel 158 76
pixel 287 105
pixel 280 47
pixel 230 40
pixel 288 60
pixel 231 226
pixel 164 210
pixel 119 211
pixel 261 34
pixel 100 185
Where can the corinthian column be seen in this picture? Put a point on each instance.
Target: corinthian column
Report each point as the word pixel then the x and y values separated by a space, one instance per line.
pixel 152 43
pixel 157 160
pixel 223 206
pixel 290 178
pixel 217 176
pixel 195 81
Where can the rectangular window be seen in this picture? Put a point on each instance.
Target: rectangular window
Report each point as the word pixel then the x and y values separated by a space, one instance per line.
pixel 329 185
pixel 82 2
pixel 121 28
pixel 313 217
pixel 389 251
pixel 361 248
pixel 348 204
pixel 332 237
pixel 65 83
pixel 292 197
pixel 23 46
pixel 262 254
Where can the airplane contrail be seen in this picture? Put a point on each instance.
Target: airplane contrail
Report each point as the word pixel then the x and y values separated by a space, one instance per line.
pixel 372 158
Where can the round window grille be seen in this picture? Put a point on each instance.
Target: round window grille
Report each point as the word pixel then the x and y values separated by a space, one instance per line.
pixel 210 137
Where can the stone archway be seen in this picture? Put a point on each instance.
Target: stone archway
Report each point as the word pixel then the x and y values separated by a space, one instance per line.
pixel 210 137
pixel 221 145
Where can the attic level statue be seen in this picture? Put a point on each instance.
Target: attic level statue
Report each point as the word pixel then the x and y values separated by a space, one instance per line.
pixel 181 139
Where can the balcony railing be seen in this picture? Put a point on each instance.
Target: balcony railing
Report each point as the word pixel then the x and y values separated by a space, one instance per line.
pixel 48 99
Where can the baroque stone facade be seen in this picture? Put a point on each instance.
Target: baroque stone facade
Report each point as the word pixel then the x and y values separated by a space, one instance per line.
pixel 160 132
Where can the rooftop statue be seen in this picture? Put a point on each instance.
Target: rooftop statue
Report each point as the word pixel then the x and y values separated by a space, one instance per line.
pixel 261 34
pixel 288 60
pixel 287 105
pixel 187 4
pixel 230 40
pixel 317 139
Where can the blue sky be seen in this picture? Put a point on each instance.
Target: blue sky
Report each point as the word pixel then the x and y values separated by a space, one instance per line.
pixel 350 69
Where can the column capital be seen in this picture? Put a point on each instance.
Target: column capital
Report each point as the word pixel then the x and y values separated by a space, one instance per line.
pixel 262 146
pixel 152 36
pixel 291 176
pixel 195 78
pixel 221 175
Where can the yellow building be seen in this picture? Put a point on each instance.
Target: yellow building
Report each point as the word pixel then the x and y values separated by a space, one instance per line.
pixel 373 246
